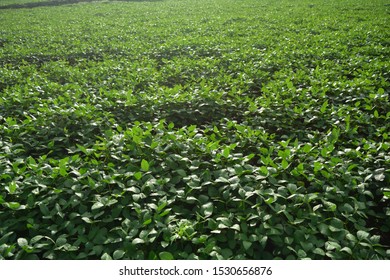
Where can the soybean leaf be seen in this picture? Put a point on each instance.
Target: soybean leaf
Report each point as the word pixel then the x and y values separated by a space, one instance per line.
pixel 144 165
pixel 166 256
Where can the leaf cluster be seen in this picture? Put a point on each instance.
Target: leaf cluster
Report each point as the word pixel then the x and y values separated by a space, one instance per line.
pixel 210 130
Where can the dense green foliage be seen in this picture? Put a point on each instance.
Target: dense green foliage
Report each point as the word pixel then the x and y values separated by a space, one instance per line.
pixel 207 129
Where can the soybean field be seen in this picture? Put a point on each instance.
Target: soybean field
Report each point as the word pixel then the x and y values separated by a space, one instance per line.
pixel 194 129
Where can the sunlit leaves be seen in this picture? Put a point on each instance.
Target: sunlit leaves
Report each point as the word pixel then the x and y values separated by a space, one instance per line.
pixel 14 205
pixel 207 209
pixel 138 175
pixel 379 174
pixel 215 142
pixel 12 187
pixel 118 254
pixel 22 242
pixel 362 235
pixel 144 165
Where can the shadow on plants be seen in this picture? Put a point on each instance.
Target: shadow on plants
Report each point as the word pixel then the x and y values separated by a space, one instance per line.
pixel 58 3
pixel 42 4
pixel 135 0
pixel 3 42
pixel 162 56
pixel 40 59
pixel 195 112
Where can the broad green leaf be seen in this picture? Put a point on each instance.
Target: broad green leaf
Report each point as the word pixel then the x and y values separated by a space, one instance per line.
pixel 22 242
pixel 11 188
pixel 337 223
pixel 236 227
pixel 138 175
pixel 61 241
pixel 161 207
pixel 97 249
pixel 226 253
pixel 181 172
pixel 222 180
pixel 145 165
pixel 330 206
pixel 307 246
pixel 36 238
pixel 246 244
pixel 118 254
pixel 351 237
pixel 63 171
pixel 331 245
pixel 14 205
pixel 106 257
pixel 137 241
pixel 300 168
pixel 284 164
pixel 166 256
pixel 362 235
pixel 226 152
pixel 348 208
pixel 324 106
pixel 264 171
pixel 346 250
pixel 307 148
pixel 263 241
pixel 97 205
pixel 83 149
pixel 324 152
pixel 164 213
pixel 213 145
pixel 319 251
pixel 207 209
pixel 225 221
pixel 318 166
pixel 290 84
pixel 379 177
pixel 45 211
pixel 87 220
pixel 301 254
